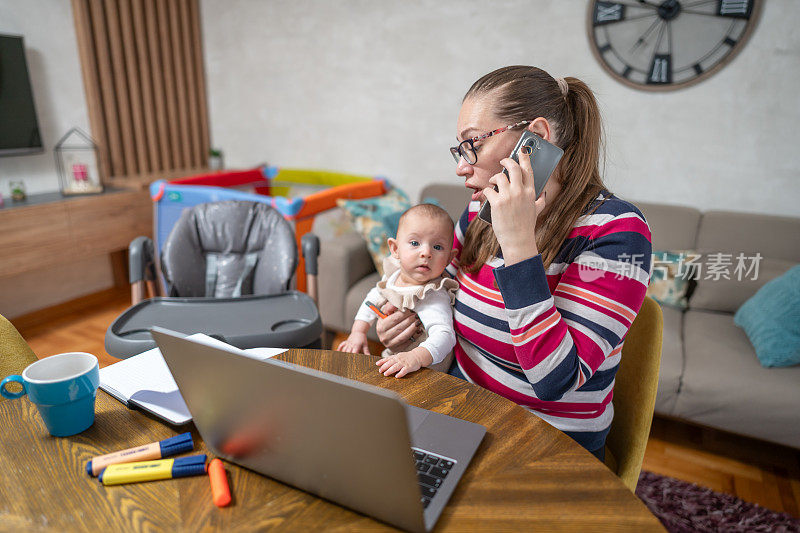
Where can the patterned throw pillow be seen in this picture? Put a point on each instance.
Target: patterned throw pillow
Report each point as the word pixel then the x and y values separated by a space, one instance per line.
pixel 671 281
pixel 376 220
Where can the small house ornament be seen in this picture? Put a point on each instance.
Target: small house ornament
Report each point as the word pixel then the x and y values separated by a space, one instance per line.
pixel 77 164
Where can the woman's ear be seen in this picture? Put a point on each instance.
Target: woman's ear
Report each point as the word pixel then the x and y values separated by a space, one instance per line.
pixel 541 127
pixel 392 247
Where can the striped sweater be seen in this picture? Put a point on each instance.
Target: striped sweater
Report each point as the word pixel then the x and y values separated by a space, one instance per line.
pixel 551 340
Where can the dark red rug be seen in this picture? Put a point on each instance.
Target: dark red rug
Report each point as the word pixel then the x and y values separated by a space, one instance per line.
pixel 683 507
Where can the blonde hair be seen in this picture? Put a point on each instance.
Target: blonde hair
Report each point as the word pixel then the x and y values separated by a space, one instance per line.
pixel 525 93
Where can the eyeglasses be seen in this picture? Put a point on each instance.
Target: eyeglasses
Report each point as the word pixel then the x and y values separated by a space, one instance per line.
pixel 466 149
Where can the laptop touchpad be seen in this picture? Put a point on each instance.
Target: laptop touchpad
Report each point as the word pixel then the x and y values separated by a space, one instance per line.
pixel 415 417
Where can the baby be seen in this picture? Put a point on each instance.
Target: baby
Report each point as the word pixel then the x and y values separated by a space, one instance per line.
pixel 413 279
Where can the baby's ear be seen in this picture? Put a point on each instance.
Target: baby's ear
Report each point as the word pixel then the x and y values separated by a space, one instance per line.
pixel 453 254
pixel 392 246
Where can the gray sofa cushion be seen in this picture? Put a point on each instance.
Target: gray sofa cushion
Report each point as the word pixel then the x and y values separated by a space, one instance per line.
pixel 772 236
pixel 724 385
pixel 749 234
pixel 342 261
pixel 673 227
pixel 728 295
pixel 669 378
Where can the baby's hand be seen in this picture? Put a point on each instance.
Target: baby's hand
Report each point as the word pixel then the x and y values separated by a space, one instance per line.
pixel 402 363
pixel 355 343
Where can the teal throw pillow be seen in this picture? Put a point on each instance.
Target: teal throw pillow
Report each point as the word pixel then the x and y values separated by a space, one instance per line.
pixel 771 320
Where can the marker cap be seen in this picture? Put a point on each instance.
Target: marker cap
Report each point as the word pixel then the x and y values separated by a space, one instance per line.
pixel 89 467
pixel 220 490
pixel 194 465
pixel 175 445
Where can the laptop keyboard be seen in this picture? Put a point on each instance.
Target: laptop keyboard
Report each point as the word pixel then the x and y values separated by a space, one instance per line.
pixel 431 471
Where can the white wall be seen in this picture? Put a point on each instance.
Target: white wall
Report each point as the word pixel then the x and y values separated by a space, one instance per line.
pixel 374 87
pixel 54 67
pixel 55 72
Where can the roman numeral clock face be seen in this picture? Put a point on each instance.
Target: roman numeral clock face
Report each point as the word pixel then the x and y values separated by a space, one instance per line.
pixel 663 45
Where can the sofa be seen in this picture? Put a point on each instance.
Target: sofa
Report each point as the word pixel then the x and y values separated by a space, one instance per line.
pixel 710 374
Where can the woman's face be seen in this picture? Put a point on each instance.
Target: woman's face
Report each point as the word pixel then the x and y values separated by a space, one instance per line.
pixel 476 118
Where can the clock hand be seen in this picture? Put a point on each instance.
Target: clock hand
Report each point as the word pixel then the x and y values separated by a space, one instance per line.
pixel 660 36
pixel 689 12
pixel 643 38
pixel 638 5
pixel 700 3
pixel 669 38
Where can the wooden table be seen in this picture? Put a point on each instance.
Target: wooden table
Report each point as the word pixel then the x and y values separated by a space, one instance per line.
pixel 526 475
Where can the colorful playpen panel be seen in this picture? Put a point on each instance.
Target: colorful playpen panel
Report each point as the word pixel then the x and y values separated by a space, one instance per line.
pixel 299 195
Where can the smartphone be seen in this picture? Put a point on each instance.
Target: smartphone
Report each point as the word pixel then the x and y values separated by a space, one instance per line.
pixel 544 158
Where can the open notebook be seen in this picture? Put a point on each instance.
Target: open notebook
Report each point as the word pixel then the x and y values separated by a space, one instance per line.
pixel 144 381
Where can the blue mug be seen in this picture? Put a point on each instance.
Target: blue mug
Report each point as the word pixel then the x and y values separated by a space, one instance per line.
pixel 63 387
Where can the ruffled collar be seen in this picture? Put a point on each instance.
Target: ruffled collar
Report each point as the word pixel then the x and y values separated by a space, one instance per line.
pixel 407 299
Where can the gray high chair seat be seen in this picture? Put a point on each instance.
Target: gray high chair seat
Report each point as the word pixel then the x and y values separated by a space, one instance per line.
pixel 227 269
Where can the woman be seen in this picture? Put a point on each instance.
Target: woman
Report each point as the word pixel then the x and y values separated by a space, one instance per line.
pixel 549 290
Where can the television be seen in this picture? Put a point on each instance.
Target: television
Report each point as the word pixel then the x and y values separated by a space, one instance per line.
pixel 19 129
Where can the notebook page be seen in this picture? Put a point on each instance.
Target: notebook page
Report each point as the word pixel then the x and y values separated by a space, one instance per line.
pixel 146 381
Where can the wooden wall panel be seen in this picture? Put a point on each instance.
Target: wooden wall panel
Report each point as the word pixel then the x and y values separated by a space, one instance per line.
pixel 111 146
pixel 145 86
pixel 170 93
pixel 178 59
pixel 147 83
pixel 191 82
pixel 159 92
pixel 121 87
pixel 91 80
pixel 199 78
pixel 134 85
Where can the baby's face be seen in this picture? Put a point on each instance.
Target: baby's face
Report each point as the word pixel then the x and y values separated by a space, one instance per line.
pixel 424 247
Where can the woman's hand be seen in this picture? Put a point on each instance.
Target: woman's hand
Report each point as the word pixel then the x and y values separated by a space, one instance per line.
pixel 396 330
pixel 515 209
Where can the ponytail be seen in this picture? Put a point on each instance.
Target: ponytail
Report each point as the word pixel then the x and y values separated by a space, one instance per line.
pixel 526 93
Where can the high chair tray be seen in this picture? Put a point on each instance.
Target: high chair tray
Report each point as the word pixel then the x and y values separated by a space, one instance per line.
pixel 287 320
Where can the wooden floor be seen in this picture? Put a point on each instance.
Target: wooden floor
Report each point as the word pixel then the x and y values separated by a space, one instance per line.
pixel 752 470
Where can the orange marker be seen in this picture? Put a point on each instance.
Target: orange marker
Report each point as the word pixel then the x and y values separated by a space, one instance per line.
pixel 219 483
pixel 377 311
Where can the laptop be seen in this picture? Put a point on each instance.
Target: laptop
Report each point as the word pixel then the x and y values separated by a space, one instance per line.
pixel 352 443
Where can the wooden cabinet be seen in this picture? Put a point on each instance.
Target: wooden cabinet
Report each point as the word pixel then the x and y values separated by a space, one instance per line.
pixel 46 234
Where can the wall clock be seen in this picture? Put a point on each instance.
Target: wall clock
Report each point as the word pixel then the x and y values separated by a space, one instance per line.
pixel 664 45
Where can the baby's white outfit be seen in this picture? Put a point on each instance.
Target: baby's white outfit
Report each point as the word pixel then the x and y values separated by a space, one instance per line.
pixel 432 302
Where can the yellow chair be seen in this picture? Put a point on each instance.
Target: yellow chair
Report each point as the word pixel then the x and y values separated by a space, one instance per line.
pixel 15 354
pixel 635 394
